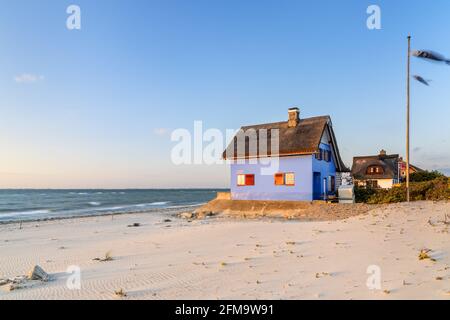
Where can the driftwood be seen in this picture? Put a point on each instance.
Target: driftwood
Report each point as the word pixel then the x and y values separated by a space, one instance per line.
pixel 134 225
pixel 35 276
pixel 37 273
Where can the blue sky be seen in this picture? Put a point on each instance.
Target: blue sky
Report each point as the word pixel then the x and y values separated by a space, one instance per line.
pixel 101 101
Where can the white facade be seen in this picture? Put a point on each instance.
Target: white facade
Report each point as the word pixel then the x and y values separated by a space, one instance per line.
pixel 385 183
pixel 381 183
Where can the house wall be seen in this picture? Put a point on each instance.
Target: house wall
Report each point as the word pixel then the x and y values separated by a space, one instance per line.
pixel 382 183
pixel 326 169
pixel 265 188
pixel 385 183
pixel 302 166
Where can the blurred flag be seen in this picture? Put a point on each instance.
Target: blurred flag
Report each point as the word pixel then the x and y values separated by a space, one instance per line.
pixel 430 55
pixel 422 80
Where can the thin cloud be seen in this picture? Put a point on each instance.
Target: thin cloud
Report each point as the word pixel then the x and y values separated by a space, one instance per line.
pixel 445 171
pixel 160 131
pixel 434 161
pixel 28 78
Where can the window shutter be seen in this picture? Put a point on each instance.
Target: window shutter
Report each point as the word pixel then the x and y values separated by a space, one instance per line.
pixel 250 180
pixel 279 179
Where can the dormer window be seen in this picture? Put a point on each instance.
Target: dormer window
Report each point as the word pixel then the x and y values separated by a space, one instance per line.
pixel 375 170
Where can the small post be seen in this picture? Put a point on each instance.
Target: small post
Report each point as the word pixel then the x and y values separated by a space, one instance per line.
pixel 407 117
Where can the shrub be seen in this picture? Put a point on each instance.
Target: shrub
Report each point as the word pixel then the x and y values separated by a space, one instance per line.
pixel 362 194
pixel 396 194
pixel 437 189
pixel 425 176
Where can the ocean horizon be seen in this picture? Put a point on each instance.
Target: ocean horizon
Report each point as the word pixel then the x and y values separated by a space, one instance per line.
pixel 38 204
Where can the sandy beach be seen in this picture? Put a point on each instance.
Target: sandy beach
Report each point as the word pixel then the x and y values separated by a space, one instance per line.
pixel 229 258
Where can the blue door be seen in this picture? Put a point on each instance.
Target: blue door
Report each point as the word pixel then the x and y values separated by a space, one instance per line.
pixel 317 186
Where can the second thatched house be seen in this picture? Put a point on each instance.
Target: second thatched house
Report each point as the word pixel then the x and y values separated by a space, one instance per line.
pixel 380 171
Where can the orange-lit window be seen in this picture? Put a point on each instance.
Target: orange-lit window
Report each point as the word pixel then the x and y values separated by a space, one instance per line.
pixel 246 180
pixel 289 179
pixel 279 179
pixel 241 180
pixel 284 179
pixel 375 170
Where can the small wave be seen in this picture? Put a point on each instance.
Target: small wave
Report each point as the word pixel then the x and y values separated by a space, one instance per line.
pixel 23 213
pixel 93 203
pixel 110 208
pixel 159 203
pixel 117 208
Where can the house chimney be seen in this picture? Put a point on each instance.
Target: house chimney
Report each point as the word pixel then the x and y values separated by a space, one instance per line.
pixel 294 117
pixel 383 153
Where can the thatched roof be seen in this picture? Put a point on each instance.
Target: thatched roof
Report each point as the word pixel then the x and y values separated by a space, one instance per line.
pixel 389 163
pixel 304 138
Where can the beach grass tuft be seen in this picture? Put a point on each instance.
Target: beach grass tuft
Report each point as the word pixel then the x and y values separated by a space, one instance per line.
pixel 108 257
pixel 120 293
pixel 423 255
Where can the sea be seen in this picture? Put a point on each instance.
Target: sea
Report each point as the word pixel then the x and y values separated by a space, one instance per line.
pixel 25 205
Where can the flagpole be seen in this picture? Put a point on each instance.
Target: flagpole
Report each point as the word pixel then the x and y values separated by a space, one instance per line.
pixel 407 117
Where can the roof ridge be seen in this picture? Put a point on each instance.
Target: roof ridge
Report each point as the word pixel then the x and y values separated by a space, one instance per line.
pixel 263 124
pixel 282 122
pixel 378 156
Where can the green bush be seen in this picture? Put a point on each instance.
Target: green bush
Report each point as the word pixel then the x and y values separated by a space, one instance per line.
pixel 362 195
pixel 425 176
pixel 437 189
